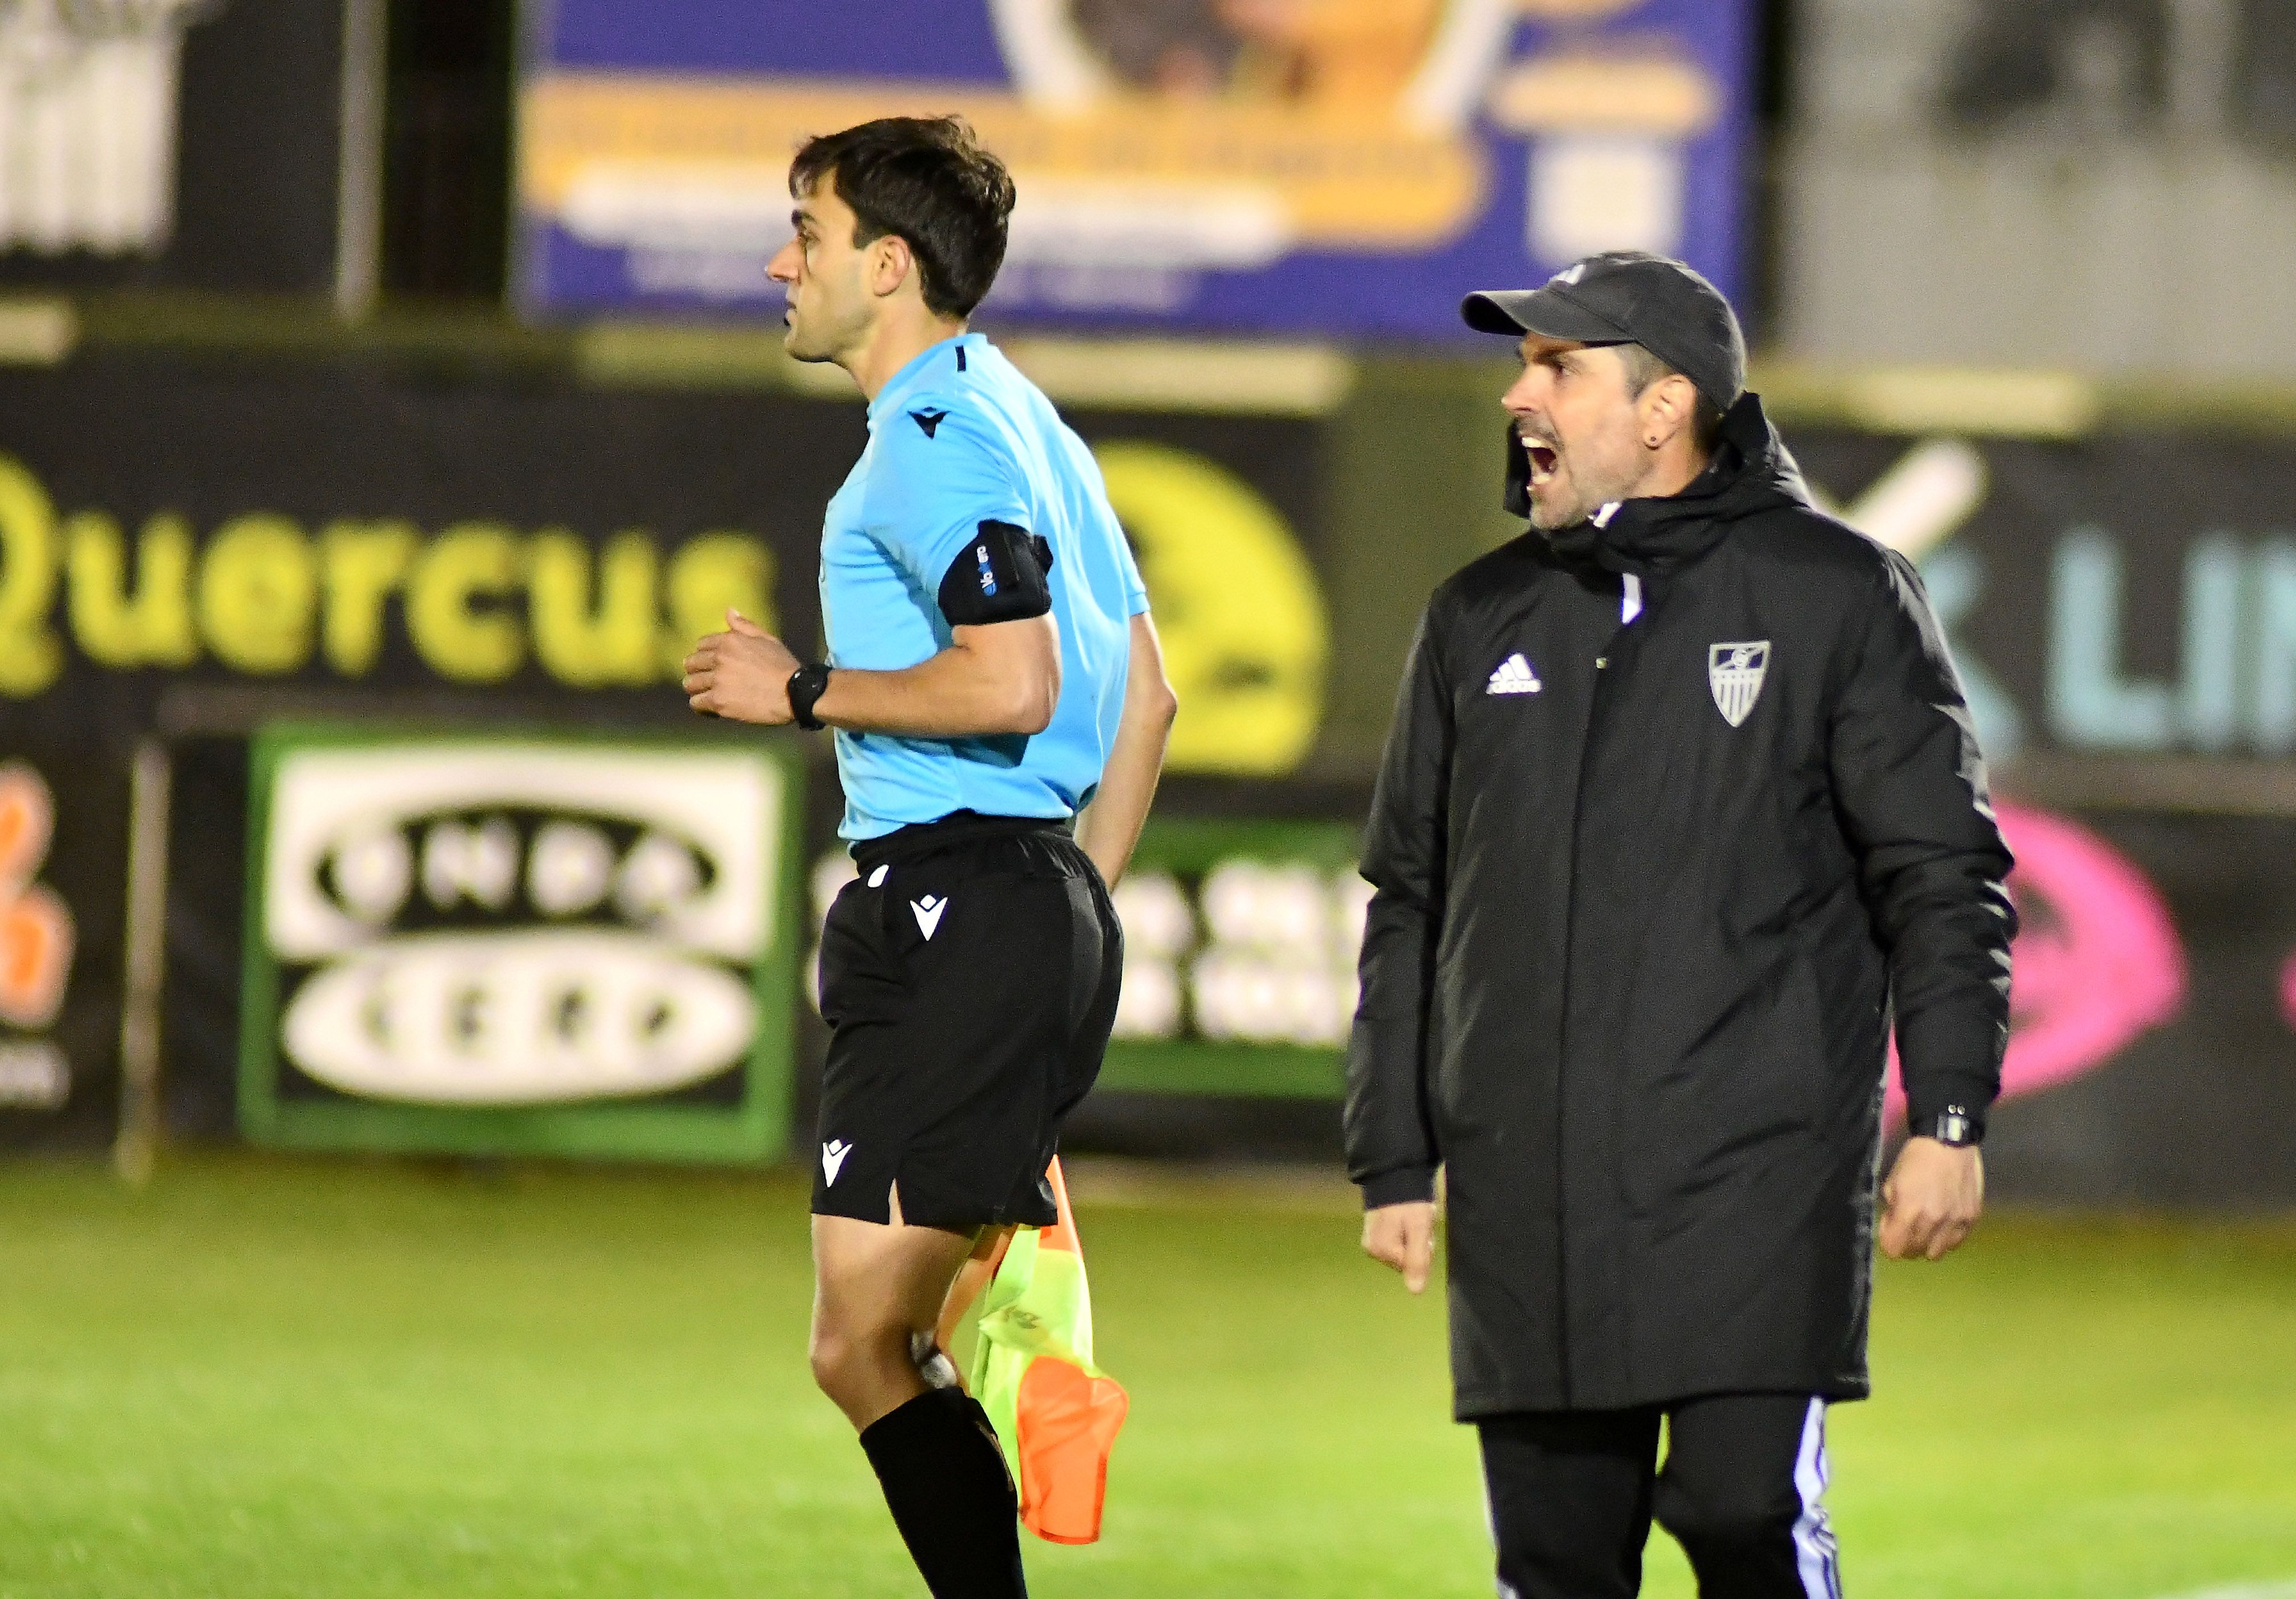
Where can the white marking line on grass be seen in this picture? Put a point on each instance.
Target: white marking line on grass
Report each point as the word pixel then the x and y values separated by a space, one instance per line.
pixel 2245 1590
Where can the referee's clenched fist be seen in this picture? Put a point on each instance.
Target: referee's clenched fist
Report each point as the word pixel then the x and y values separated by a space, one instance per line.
pixel 1681 812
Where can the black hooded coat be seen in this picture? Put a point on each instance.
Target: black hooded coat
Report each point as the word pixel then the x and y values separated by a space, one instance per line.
pixel 1674 810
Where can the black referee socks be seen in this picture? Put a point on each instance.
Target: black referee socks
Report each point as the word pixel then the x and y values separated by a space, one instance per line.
pixel 945 1481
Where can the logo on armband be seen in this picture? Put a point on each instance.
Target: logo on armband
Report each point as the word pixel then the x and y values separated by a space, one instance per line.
pixel 988 572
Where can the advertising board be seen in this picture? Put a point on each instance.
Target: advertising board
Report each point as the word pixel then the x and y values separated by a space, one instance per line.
pixel 1334 168
pixel 327 529
pixel 63 875
pixel 224 145
pixel 2129 596
pixel 518 944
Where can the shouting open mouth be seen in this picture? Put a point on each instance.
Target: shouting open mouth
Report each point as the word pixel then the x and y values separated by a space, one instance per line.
pixel 1544 458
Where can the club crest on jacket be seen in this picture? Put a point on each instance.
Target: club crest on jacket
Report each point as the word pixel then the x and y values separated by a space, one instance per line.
pixel 1735 672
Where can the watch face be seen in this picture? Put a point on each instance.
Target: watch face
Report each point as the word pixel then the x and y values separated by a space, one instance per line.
pixel 806 687
pixel 1955 1127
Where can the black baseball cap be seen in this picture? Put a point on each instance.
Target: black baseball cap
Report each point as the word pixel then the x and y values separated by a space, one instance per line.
pixel 1629 296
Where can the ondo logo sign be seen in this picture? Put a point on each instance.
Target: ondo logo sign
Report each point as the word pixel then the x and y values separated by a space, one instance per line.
pixel 462 926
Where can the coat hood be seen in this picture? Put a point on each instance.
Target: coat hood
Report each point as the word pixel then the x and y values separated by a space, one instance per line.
pixel 1751 473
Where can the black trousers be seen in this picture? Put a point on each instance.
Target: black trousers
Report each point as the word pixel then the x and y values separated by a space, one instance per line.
pixel 1573 1493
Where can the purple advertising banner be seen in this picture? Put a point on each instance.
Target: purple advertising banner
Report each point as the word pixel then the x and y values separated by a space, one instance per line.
pixel 1338 168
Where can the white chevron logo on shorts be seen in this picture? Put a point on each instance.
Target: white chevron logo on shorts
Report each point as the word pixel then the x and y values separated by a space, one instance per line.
pixel 832 1159
pixel 929 910
pixel 1514 676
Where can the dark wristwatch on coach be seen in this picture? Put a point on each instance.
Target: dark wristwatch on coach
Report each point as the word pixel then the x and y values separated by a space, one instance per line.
pixel 1955 1127
pixel 807 684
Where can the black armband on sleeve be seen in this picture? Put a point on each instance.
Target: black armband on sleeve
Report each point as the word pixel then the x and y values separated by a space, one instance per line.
pixel 1004 575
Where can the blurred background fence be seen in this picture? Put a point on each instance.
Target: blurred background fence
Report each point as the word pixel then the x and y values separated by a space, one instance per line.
pixel 392 391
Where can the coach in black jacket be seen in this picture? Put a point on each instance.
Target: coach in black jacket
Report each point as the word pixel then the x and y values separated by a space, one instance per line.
pixel 1681 804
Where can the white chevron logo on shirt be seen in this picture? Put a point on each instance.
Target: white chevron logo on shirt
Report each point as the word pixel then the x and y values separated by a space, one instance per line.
pixel 927 912
pixel 1514 676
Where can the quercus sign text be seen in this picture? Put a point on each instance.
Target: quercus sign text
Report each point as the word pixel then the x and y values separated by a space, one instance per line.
pixel 266 594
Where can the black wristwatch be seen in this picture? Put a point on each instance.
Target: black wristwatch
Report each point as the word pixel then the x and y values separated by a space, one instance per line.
pixel 807 684
pixel 1954 1128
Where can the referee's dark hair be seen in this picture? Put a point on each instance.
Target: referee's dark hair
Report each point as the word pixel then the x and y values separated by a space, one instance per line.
pixel 928 182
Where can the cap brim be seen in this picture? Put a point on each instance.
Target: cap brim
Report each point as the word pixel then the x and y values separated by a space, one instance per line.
pixel 1546 312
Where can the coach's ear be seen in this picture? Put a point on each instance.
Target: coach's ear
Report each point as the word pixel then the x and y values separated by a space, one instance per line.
pixel 1004 575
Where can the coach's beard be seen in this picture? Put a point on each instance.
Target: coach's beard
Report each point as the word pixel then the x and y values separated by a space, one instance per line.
pixel 1556 520
pixel 1557 514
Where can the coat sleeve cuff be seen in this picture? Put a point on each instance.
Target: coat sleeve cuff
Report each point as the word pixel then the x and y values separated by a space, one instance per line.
pixel 1934 1096
pixel 1407 1185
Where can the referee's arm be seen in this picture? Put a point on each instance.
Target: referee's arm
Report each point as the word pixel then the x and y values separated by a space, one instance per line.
pixel 1390 1147
pixel 995 679
pixel 1909 786
pixel 1110 827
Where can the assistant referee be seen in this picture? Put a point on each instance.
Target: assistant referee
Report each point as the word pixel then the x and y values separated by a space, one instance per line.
pixel 992 673
pixel 1681 804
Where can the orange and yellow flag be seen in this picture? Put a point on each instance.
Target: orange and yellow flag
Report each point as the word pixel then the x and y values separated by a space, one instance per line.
pixel 1056 1413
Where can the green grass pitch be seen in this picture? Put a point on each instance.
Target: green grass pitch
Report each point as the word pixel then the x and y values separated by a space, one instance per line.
pixel 346 1380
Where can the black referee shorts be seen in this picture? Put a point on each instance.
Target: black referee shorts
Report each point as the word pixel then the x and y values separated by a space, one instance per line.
pixel 969 976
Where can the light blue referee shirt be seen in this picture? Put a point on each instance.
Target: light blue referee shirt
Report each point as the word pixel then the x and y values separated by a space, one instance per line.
pixel 959 438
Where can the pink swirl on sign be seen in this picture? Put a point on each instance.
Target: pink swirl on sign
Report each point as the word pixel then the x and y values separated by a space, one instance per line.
pixel 2097 961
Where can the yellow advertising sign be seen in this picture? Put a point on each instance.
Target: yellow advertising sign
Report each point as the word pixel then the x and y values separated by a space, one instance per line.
pixel 266 595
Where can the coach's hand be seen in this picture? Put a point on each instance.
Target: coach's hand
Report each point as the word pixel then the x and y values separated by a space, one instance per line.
pixel 741 674
pixel 1932 1200
pixel 1404 1237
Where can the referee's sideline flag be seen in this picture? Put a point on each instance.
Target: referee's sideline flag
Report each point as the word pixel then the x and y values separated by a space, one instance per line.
pixel 1032 1371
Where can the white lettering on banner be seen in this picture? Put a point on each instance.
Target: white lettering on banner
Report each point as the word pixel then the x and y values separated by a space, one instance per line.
pixel 570 869
pixel 478 863
pixel 2231 685
pixel 2235 690
pixel 518 925
pixel 1280 967
pixel 527 1017
pixel 347 805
